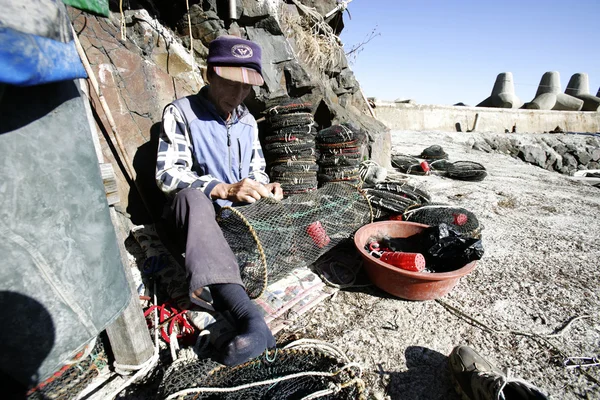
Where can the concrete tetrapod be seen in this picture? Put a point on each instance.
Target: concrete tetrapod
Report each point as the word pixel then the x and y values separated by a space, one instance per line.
pixel 503 94
pixel 549 96
pixel 579 87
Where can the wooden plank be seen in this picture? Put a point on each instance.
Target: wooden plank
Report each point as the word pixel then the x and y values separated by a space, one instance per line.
pixel 128 335
pixel 110 183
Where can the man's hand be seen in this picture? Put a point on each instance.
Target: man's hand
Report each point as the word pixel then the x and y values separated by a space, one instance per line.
pixel 275 189
pixel 246 191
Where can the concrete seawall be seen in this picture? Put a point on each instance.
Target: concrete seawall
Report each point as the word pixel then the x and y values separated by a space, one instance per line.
pixel 418 117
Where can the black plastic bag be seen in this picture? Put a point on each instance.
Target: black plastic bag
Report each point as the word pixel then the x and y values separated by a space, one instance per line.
pixel 444 248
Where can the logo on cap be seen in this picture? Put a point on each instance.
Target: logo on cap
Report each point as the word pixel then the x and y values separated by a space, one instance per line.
pixel 241 51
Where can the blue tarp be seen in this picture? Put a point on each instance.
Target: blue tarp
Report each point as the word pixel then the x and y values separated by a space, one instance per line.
pixel 27 60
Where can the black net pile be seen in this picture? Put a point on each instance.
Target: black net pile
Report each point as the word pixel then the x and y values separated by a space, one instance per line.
pixel 289 147
pixel 282 374
pixel 435 152
pixel 71 380
pixel 340 148
pixel 460 170
pixel 407 164
pixel 391 198
pixel 271 238
pixel 466 171
pixel 460 219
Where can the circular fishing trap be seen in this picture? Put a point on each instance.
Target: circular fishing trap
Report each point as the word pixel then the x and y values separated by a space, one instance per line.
pixel 435 152
pixel 300 179
pixel 282 121
pixel 271 238
pixel 406 189
pixel 298 188
pixel 297 147
pixel 407 164
pixel 339 134
pixel 440 165
pixel 290 137
pixel 291 159
pixel 331 160
pixel 282 169
pixel 307 129
pixel 393 198
pixel 289 106
pixel 280 374
pixel 466 171
pixel 459 218
pixel 339 174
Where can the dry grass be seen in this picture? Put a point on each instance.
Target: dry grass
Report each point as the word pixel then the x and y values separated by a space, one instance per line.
pixel 316 43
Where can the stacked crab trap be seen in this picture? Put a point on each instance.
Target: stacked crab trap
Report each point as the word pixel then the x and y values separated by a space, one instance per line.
pixel 340 148
pixel 289 146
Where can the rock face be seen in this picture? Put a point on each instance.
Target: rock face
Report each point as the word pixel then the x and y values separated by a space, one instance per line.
pixel 560 153
pixel 151 65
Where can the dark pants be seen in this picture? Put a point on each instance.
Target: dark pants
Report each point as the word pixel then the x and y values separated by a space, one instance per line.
pixel 208 258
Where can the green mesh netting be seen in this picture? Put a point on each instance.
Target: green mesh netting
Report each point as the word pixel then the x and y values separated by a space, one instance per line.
pixel 271 238
pixel 71 380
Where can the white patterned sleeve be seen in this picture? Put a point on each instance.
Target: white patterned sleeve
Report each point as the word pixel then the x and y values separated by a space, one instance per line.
pixel 174 159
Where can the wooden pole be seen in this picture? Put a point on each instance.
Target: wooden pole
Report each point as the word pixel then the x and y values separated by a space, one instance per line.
pixel 129 336
pixel 113 126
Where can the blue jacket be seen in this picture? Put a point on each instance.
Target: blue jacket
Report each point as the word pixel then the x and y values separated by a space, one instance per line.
pixel 220 151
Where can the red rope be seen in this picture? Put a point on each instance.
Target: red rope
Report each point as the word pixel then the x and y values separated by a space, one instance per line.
pixel 171 320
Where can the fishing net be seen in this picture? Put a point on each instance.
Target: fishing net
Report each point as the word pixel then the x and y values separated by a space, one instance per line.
pixel 349 174
pixel 327 159
pixel 433 214
pixel 296 147
pixel 289 106
pixel 435 152
pixel 291 160
pixel 466 171
pixel 407 164
pixel 340 148
pixel 270 238
pixel 303 136
pixel 337 135
pixel 280 374
pixel 283 120
pixel 440 165
pixel 290 145
pixel 73 378
pixel 393 198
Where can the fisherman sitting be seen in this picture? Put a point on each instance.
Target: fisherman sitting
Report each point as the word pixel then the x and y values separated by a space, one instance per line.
pixel 209 155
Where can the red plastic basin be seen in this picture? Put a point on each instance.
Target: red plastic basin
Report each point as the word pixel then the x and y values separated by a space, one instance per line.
pixel 405 284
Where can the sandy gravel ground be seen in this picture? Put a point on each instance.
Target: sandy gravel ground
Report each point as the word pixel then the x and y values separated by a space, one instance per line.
pixel 540 271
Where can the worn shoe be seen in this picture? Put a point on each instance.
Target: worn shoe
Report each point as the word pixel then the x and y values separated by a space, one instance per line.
pixel 477 379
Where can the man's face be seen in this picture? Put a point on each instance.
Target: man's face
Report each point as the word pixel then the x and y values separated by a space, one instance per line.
pixel 227 95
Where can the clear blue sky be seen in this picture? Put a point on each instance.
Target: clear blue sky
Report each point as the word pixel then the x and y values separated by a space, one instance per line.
pixel 449 51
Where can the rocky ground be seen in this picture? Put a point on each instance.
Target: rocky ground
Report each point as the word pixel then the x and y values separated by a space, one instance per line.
pixel 532 301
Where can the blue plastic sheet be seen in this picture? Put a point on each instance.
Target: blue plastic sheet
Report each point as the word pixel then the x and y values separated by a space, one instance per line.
pixel 27 60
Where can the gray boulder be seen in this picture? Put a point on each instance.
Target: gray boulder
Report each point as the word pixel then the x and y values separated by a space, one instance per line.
pixel 582 156
pixel 533 154
pixel 569 162
pixel 553 159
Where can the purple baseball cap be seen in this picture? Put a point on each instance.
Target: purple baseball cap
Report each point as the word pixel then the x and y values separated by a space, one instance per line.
pixel 236 59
